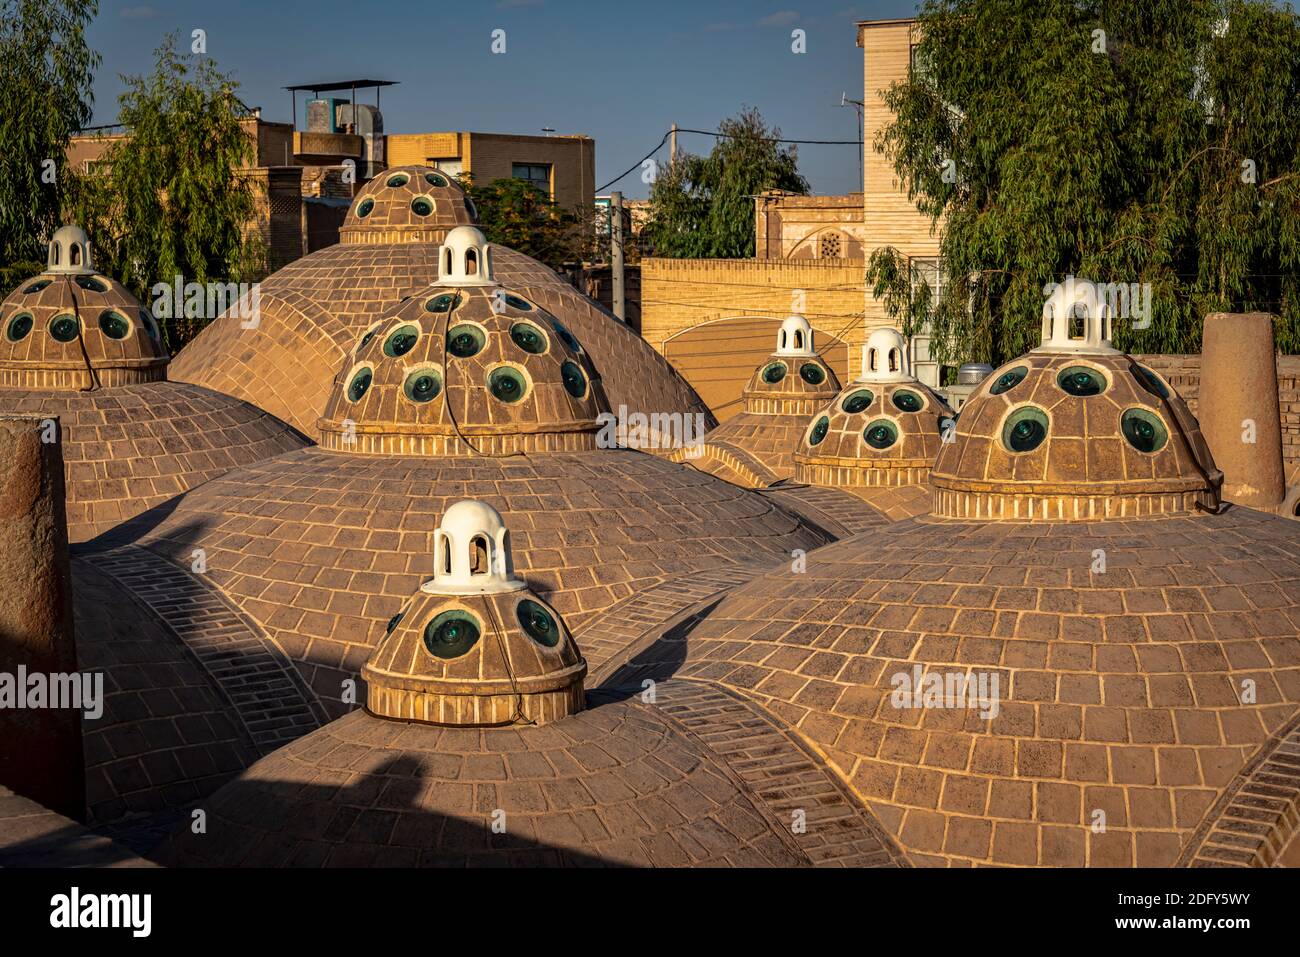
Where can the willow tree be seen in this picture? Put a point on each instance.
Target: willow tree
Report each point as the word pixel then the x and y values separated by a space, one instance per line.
pixel 46 70
pixel 703 206
pixel 173 197
pixel 1152 144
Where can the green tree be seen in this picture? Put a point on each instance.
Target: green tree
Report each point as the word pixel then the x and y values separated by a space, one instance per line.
pixel 173 197
pixel 703 206
pixel 520 215
pixel 1124 141
pixel 46 70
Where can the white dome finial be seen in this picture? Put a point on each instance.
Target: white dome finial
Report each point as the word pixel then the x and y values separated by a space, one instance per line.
pixel 70 252
pixel 465 259
pixel 795 337
pixel 471 551
pixel 885 358
pixel 1077 317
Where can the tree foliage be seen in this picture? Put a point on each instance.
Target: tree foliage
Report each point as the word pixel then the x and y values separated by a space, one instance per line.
pixel 518 214
pixel 703 206
pixel 46 70
pixel 1124 141
pixel 173 197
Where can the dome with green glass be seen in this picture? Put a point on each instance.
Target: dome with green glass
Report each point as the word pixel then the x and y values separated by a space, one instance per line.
pixel 1075 430
pixel 406 204
pixel 882 430
pixel 475 646
pixel 465 366
pixel 74 328
pixel 794 379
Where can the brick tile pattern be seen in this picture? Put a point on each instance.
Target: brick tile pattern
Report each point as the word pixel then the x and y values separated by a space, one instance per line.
pixel 1120 691
pixel 394 203
pixel 749 449
pixel 838 511
pixel 168 734
pixel 269 697
pixel 321 549
pixel 129 448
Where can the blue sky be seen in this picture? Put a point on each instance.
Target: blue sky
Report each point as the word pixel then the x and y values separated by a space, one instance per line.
pixel 621 71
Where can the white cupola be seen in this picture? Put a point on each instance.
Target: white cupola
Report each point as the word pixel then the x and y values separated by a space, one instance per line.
pixel 70 252
pixel 472 553
pixel 465 259
pixel 885 358
pixel 795 337
pixel 1077 318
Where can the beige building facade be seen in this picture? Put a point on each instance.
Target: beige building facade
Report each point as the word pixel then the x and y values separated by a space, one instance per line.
pixel 563 166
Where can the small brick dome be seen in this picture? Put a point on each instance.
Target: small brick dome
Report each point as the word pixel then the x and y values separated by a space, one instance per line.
pixel 73 328
pixel 406 204
pixel 883 429
pixel 475 646
pixel 1074 430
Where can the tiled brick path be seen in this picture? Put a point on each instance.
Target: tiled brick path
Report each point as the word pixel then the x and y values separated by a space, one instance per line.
pixel 270 698
pixel 781 774
pixel 1259 813
pixel 837 511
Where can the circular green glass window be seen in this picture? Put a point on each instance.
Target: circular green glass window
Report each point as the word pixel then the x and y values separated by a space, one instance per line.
pixel 364 207
pixel 394 622
pixel 575 382
pixel 538 623
pixel 451 634
pixel 64 328
pixel 401 341
pixel 42 283
pixel 398 179
pixel 435 179
pixel 819 430
pixel 523 305
pixel 150 325
pixel 567 337
pixel 857 401
pixel 360 384
pixel 1150 381
pixel 444 303
pixel 812 373
pixel 880 434
pixel 507 384
pixel 907 401
pixel 1025 429
pixel 1144 430
pixel 465 340
pixel 423 385
pixel 1080 380
pixel 774 373
pixel 19 326
pixel 528 337
pixel 365 340
pixel 422 206
pixel 91 284
pixel 114 325
pixel 1008 380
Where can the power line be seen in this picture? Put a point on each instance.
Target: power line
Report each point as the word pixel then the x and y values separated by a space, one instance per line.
pixel 634 166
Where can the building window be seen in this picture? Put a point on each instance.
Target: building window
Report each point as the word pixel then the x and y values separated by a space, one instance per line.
pixel 539 174
pixel 829 246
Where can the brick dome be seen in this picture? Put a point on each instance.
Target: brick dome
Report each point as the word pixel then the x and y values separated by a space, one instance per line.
pixel 465 369
pixel 1074 430
pixel 406 204
pixel 879 436
pixel 75 329
pixel 754 448
pixel 475 646
pixel 78 346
